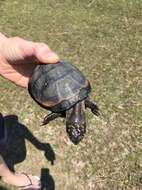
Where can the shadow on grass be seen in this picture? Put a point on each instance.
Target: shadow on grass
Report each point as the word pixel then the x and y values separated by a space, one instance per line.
pixel 16 149
pixel 47 182
pixel 3 188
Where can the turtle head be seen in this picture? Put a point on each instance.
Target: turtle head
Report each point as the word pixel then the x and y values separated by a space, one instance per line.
pixel 75 123
pixel 75 132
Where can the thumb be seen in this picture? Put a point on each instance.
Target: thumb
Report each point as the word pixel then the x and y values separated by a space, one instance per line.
pixel 44 54
pixel 16 48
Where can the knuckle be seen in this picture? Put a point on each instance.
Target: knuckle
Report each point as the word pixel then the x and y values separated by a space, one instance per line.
pixel 43 45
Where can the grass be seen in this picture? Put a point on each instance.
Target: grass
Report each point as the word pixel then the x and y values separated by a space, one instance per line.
pixel 103 38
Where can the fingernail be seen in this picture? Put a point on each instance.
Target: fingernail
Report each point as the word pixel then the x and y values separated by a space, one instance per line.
pixel 51 56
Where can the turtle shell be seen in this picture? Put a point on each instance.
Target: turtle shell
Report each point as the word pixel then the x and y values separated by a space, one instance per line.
pixel 58 87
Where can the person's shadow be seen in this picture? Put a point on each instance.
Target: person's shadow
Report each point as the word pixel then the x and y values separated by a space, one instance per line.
pixel 3 188
pixel 16 148
pixel 47 182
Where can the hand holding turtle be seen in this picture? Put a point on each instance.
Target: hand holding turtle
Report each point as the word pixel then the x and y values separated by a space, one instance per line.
pixel 18 58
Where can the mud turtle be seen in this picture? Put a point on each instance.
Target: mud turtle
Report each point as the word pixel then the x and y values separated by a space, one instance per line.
pixel 63 89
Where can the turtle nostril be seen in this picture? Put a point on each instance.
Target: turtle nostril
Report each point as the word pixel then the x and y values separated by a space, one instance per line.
pixel 46 84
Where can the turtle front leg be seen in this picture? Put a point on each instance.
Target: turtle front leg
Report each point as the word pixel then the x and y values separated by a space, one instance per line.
pixel 93 106
pixel 50 117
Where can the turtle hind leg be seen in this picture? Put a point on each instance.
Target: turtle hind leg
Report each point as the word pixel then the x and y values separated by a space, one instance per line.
pixel 93 106
pixel 49 118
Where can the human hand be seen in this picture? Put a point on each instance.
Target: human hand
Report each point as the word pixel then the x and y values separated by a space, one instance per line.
pixel 18 58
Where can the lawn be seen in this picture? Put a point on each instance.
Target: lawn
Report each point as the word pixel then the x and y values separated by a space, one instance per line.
pixel 103 38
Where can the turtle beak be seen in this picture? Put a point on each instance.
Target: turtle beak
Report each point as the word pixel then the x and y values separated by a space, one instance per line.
pixel 76 132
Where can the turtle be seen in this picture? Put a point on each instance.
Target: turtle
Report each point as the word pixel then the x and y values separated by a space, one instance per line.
pixel 64 90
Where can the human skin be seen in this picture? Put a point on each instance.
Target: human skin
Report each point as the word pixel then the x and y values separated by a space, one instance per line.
pixel 18 58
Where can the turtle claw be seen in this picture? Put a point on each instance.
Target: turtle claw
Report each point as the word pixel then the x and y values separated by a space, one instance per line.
pixel 95 109
pixel 93 106
pixel 43 123
pixel 49 118
pixel 95 112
